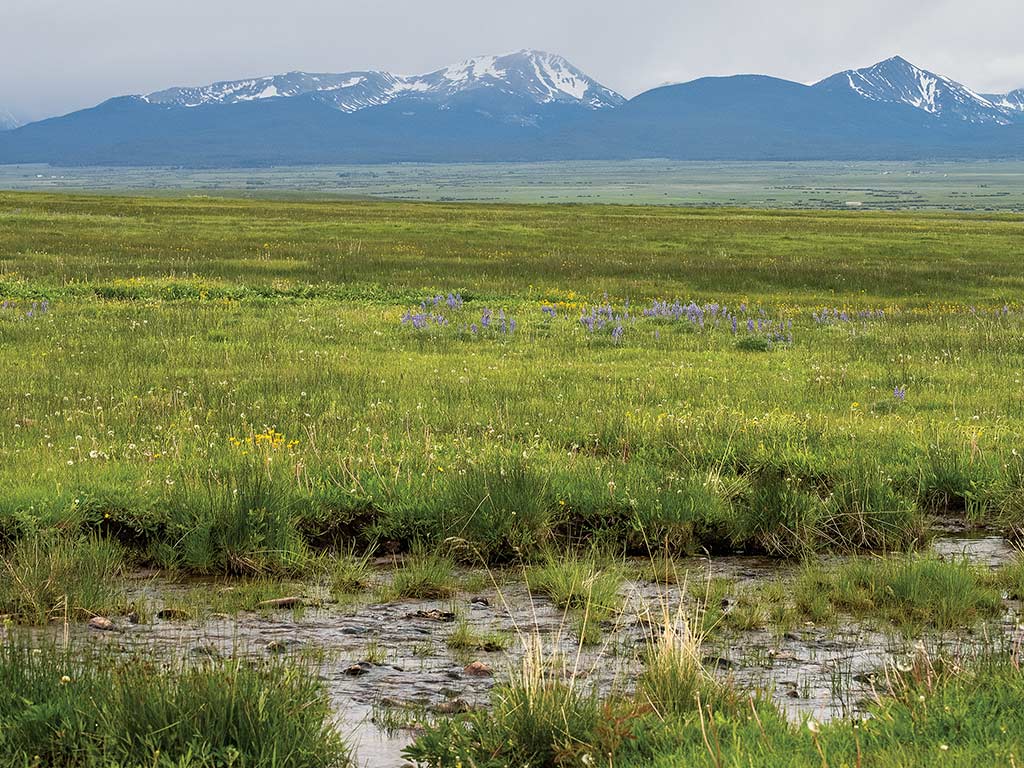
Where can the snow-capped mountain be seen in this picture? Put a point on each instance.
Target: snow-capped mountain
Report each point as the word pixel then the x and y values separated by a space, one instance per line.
pixel 350 91
pixel 897 81
pixel 1012 102
pixel 7 120
pixel 537 77
pixel 531 106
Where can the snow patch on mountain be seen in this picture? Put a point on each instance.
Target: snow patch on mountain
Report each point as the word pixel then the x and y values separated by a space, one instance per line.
pixel 897 81
pixel 534 76
pixel 8 122
pixel 1012 102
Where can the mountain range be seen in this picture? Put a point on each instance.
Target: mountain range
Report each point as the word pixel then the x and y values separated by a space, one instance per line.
pixel 530 105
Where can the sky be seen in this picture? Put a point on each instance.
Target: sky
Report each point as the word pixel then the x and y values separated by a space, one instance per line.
pixel 60 55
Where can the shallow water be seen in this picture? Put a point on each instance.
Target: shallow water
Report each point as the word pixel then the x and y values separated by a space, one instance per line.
pixel 983 548
pixel 811 671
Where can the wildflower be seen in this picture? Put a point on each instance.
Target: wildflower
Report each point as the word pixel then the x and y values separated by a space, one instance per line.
pixel 900 393
pixel 64 680
pixel 813 726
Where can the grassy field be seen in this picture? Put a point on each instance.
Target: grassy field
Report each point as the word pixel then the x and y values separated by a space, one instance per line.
pixel 918 186
pixel 225 386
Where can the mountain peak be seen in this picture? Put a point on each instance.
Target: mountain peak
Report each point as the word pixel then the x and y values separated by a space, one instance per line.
pixel 898 81
pixel 540 76
pixel 531 76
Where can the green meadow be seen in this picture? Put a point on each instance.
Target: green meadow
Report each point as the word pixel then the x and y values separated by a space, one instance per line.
pixel 283 389
pixel 228 386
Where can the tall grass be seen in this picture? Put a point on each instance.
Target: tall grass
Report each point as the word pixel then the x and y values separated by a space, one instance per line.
pixel 48 576
pixel 936 710
pixel 87 709
pixel 916 591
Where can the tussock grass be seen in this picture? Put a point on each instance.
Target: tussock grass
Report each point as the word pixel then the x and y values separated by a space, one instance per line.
pixel 913 591
pixel 467 638
pixel 80 708
pixel 579 582
pixel 591 590
pixel 423 576
pixel 48 576
pixel 348 573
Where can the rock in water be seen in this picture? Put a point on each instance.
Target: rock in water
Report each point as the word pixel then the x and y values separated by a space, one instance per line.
pixel 478 669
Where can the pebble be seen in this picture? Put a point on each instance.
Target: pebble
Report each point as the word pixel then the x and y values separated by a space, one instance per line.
pixel 359 669
pixel 478 669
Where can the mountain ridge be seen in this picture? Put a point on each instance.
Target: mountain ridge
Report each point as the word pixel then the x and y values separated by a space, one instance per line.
pixel 897 81
pixel 541 77
pixel 531 105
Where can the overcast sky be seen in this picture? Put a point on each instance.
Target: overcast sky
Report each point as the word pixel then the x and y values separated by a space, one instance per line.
pixel 61 55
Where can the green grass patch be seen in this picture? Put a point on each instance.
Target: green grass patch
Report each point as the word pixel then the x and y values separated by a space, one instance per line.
pixel 911 591
pixel 423 576
pixel 48 577
pixel 83 709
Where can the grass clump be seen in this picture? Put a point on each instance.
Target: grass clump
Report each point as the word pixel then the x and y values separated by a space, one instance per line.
pixel 240 525
pixel 466 638
pixel 538 718
pixel 348 573
pixel 423 576
pixel 579 583
pixel 84 709
pixel 673 680
pixel 230 596
pixel 911 591
pixel 589 590
pixel 48 576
